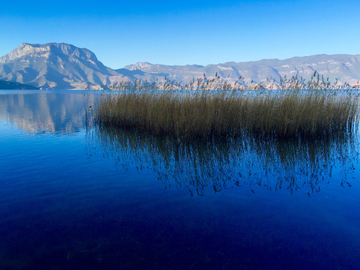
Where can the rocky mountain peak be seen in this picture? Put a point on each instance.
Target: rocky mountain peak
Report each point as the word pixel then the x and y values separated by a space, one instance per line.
pixel 55 66
pixel 140 66
pixel 45 50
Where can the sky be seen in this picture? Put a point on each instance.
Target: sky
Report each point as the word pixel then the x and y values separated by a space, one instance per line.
pixel 184 32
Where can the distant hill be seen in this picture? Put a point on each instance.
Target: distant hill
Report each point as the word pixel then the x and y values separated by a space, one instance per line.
pixel 13 85
pixel 64 66
pixel 346 68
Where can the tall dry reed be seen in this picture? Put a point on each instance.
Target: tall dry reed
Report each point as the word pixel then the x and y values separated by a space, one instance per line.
pixel 282 114
pixel 316 81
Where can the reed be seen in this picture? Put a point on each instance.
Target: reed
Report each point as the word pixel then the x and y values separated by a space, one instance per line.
pixel 316 81
pixel 204 115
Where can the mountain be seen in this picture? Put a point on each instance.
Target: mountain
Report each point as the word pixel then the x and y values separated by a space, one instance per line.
pixel 13 85
pixel 346 68
pixel 64 66
pixel 58 66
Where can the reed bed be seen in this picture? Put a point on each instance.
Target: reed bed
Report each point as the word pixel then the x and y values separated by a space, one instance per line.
pixel 204 115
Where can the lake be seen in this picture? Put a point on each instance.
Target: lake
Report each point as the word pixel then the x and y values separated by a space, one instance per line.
pixel 74 196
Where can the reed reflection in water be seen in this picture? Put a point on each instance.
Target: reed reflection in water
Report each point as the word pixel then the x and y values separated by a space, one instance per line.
pixel 274 164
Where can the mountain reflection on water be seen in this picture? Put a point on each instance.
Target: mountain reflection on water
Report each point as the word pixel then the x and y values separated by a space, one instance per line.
pixel 48 112
pixel 275 165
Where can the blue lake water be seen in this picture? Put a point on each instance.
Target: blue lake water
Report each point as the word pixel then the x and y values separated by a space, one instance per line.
pixel 76 197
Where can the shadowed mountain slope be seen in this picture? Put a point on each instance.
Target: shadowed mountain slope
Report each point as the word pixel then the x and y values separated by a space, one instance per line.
pixel 13 85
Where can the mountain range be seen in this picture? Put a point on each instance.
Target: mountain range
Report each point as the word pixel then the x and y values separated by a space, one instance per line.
pixel 64 66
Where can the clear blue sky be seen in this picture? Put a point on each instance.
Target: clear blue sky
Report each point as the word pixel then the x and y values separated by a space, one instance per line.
pixel 185 32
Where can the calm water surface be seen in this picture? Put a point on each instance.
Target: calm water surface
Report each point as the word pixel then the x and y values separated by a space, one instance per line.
pixel 76 197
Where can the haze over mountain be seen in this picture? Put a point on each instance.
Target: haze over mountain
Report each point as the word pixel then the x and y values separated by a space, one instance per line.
pixel 64 66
